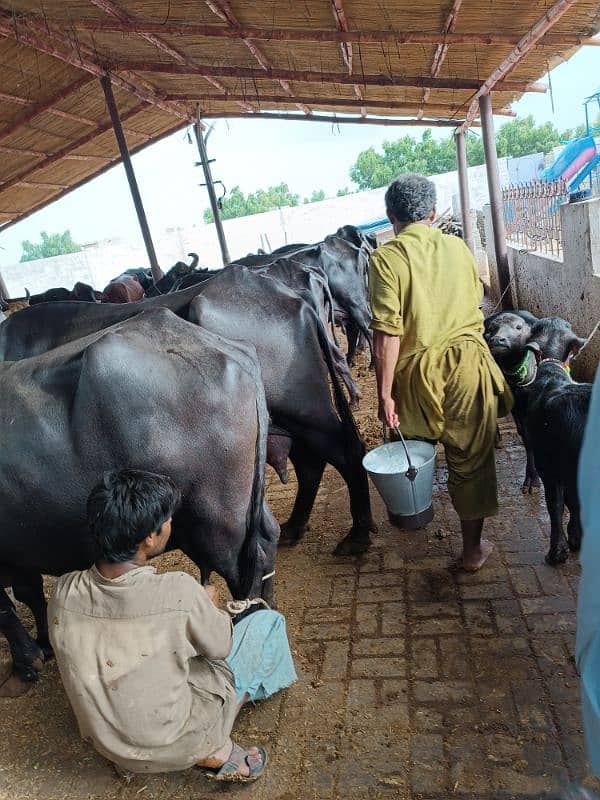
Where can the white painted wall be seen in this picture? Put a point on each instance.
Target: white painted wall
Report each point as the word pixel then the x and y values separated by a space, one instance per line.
pixel 568 288
pixel 98 262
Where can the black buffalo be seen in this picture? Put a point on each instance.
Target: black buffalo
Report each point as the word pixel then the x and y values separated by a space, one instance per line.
pixel 296 361
pixel 557 410
pixel 154 393
pixel 312 285
pixel 345 265
pixel 50 296
pixel 168 281
pixel 507 334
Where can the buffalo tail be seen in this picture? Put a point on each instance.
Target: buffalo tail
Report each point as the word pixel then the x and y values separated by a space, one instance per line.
pixel 248 558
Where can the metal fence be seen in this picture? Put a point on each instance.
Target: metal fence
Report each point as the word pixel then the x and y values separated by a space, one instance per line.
pixel 532 215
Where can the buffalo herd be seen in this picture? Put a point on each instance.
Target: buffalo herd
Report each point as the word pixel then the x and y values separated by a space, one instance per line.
pixel 208 375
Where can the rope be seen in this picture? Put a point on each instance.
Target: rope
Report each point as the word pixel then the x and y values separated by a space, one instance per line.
pixel 235 607
pixel 588 340
pixel 499 303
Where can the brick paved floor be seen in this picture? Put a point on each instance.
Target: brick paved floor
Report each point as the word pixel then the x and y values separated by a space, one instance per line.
pixel 416 680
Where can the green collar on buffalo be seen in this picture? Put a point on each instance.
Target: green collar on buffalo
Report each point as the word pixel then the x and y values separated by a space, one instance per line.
pixel 521 372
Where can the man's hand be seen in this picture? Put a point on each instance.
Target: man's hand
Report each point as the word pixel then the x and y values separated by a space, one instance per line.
pixel 213 594
pixel 386 349
pixel 387 412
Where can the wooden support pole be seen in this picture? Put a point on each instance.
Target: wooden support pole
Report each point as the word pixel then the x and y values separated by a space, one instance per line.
pixel 463 186
pixel 157 272
pixel 3 289
pixel 211 192
pixel 493 176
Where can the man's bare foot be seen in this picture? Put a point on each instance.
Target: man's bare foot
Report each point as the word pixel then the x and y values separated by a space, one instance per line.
pixel 245 761
pixel 477 557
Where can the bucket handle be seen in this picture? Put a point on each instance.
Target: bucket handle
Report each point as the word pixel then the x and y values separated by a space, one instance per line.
pixel 412 472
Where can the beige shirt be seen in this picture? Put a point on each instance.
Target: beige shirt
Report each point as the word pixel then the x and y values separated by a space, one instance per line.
pixel 142 661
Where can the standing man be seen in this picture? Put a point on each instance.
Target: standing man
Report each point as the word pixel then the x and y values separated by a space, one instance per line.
pixel 436 378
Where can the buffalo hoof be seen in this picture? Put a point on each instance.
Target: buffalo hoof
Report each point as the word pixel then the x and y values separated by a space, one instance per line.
pixel 559 556
pixel 372 526
pixel 15 686
pixel 530 483
pixel 291 534
pixel 46 649
pixel 354 544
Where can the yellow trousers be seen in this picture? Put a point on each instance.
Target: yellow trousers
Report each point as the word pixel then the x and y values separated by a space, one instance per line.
pixel 455 395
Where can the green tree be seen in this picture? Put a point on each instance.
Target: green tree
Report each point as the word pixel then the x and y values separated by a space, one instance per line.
pixel 343 192
pixel 54 244
pixel 431 156
pixel 237 204
pixel 522 136
pixel 316 196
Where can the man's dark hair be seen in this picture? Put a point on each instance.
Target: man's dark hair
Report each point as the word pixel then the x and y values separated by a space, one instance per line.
pixel 125 507
pixel 410 198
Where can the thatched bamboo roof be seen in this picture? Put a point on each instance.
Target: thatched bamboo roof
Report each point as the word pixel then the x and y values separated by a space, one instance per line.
pixel 388 61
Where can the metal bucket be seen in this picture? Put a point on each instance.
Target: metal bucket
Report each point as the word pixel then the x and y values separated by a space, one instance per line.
pixel 402 473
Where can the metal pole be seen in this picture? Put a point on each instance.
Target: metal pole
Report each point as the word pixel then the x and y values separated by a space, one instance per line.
pixel 463 187
pixel 493 176
pixel 211 192
pixel 157 272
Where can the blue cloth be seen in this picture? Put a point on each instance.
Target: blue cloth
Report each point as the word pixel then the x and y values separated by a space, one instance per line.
pixel 260 657
pixel 588 609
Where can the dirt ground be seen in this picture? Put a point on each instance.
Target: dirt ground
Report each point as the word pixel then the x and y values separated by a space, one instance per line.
pixel 415 679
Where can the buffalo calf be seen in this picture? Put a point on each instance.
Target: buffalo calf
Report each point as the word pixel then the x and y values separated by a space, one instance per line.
pixel 557 411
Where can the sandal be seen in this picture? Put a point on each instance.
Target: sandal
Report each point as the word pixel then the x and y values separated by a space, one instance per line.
pixel 229 771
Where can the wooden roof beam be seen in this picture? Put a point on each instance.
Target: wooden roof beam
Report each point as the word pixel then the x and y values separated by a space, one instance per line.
pixel 45 106
pixel 45 38
pixel 223 10
pixel 317 35
pixel 339 15
pixel 526 44
pixel 441 50
pixel 65 151
pixel 425 123
pixel 342 102
pixel 57 112
pixel 311 76
pixel 124 18
pixel 17 216
pixel 38 185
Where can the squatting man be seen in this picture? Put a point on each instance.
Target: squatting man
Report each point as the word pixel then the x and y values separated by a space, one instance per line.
pixel 155 672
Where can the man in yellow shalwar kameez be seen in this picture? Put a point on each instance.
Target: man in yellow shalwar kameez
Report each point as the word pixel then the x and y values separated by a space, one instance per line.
pixel 436 378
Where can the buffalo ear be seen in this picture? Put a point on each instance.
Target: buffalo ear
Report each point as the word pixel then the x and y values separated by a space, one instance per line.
pixel 574 347
pixel 535 349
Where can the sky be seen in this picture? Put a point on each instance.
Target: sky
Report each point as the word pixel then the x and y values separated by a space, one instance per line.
pixel 256 154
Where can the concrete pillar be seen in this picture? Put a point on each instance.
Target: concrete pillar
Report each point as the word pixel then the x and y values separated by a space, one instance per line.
pixel 493 176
